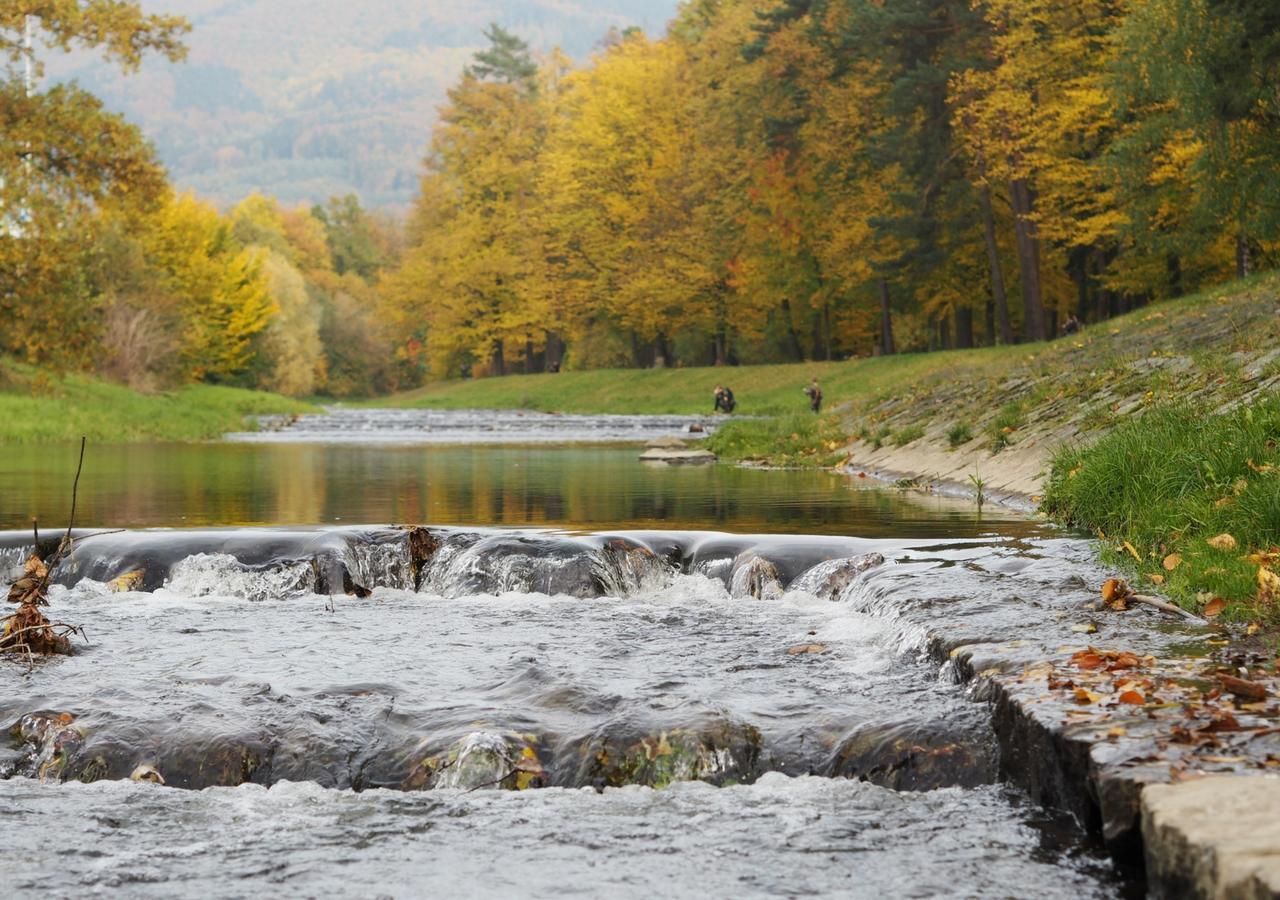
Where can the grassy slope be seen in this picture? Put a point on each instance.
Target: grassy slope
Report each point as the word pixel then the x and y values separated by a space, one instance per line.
pixel 37 408
pixel 760 390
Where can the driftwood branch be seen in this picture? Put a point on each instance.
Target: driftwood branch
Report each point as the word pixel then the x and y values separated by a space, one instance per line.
pixel 1165 606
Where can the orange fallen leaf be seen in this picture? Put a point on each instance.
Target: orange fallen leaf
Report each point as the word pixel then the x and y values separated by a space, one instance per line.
pixel 1114 589
pixel 806 648
pixel 1214 608
pixel 1133 698
pixel 1132 552
pixel 1223 542
pixel 1084 697
pixel 1172 561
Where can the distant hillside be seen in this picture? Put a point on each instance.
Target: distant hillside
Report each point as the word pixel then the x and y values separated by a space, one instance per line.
pixel 308 98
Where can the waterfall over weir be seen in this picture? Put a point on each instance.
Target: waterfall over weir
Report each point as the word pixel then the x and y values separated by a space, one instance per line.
pixel 410 676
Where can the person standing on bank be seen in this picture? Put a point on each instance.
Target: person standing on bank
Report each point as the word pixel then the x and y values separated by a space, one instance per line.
pixel 814 393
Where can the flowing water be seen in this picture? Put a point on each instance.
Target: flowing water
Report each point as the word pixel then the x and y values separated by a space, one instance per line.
pixel 623 705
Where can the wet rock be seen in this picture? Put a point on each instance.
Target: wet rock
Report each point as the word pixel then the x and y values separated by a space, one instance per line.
pixel 49 743
pixel 916 757
pixel 480 760
pixel 422 547
pixel 721 753
pixel 754 576
pixel 1214 837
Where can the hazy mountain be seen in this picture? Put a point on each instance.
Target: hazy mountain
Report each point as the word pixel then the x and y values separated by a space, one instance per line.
pixel 308 98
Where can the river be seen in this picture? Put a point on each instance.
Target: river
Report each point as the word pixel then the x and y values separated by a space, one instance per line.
pixel 604 679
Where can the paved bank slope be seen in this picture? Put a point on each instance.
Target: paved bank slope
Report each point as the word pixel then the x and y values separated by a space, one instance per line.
pixel 999 424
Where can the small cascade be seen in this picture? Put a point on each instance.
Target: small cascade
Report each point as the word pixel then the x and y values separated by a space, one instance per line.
pixel 626 569
pixel 222 575
pixel 471 564
pixel 12 559
pixel 829 580
pixel 386 563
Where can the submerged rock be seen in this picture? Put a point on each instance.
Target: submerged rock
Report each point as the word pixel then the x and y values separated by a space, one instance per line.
pixel 918 757
pixel 482 759
pixel 49 742
pixel 722 753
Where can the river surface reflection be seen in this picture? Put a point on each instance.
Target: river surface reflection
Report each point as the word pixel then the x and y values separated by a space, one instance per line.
pixel 177 485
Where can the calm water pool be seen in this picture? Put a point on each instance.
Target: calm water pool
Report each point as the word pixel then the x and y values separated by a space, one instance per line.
pixel 179 485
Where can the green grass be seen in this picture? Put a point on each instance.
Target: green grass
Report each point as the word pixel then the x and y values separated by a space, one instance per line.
pixel 908 435
pixel 799 440
pixel 1001 429
pixel 38 408
pixel 959 434
pixel 760 390
pixel 1170 480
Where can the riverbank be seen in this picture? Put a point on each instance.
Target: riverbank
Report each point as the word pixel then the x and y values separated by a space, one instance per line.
pixel 1157 431
pixel 38 407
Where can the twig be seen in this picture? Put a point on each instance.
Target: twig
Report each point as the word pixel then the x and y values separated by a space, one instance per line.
pixel 1166 607
pixel 478 787
pixel 65 545
pixel 70 629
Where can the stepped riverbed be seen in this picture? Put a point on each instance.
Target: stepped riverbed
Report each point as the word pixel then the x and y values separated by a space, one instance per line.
pixel 582 675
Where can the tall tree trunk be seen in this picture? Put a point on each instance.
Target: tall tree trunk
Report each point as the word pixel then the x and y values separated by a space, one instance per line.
pixel 1078 267
pixel 1244 259
pixel 1028 260
pixel 661 352
pixel 555 352
pixel 990 316
pixel 998 293
pixel 1102 297
pixel 933 330
pixel 964 327
pixel 826 330
pixel 793 339
pixel 944 331
pixel 886 321
pixel 498 363
pixel 1174 265
pixel 528 356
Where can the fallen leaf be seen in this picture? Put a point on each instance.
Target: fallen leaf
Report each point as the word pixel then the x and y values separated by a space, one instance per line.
pixel 1089 628
pixel 1133 698
pixel 1156 579
pixel 1261 470
pixel 1172 561
pixel 1085 697
pixel 1087 659
pixel 1247 690
pixel 1222 721
pixel 1268 585
pixel 1118 732
pixel 1115 589
pixel 806 648
pixel 1134 553
pixel 1223 542
pixel 1214 608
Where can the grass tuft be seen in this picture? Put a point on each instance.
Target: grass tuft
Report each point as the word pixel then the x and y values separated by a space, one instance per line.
pixel 1169 481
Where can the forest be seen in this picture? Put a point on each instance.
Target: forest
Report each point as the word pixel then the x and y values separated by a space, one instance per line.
pixel 768 182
